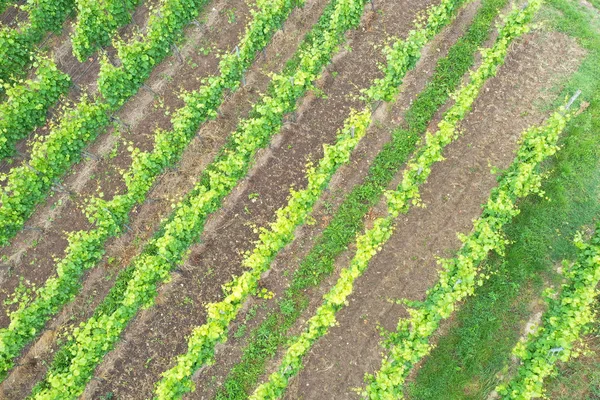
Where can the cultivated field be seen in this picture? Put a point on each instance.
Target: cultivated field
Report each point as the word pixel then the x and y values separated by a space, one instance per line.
pixel 299 199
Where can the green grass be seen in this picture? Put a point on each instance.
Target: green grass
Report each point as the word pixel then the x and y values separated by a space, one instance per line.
pixel 478 344
pixel 348 221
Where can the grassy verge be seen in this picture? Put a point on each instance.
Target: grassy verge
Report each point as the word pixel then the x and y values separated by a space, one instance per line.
pixel 479 342
pixel 348 221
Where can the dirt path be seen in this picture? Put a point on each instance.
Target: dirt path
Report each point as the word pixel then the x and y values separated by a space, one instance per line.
pixel 159 333
pixel 457 187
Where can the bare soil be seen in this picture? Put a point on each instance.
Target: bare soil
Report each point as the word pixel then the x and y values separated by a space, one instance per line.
pixel 173 184
pixel 404 269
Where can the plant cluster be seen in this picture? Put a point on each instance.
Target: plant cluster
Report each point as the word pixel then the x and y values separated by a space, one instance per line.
pixel 61 148
pixel 140 55
pixel 347 222
pixel 97 22
pixel 17 44
pixel 177 380
pixel 86 248
pixel 461 274
pixel 27 103
pixel 399 201
pixel 50 158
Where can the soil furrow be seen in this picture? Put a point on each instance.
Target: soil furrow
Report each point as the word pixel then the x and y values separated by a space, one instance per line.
pixel 277 281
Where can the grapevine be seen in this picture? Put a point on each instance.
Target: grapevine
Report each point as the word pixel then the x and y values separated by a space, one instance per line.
pixel 97 21
pixel 29 184
pixel 566 319
pixel 27 103
pixel 85 248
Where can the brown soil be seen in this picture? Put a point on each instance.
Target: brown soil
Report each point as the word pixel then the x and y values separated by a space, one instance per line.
pixel 461 183
pixel 406 266
pixel 159 333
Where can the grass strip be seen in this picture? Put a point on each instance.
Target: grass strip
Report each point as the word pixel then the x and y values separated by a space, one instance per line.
pixel 569 314
pixel 399 201
pixel 177 380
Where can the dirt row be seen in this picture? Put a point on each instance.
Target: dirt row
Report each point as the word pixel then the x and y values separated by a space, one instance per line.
pixel 385 120
pixel 173 184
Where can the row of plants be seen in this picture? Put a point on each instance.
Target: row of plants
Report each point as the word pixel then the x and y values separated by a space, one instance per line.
pixel 347 221
pixel 569 314
pixel 178 380
pixel 53 156
pixel 17 43
pixel 86 248
pixel 27 103
pixel 460 275
pixel 399 201
pixel 97 22
pixel 137 286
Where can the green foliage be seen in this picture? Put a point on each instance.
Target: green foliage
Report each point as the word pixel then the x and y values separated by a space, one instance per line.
pixel 97 22
pixel 562 325
pixel 92 339
pixel 141 54
pixel 457 280
pixel 468 359
pixel 399 201
pixel 5 3
pixel 86 248
pixel 459 275
pixel 404 54
pixel 29 184
pixel 27 103
pixel 16 44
